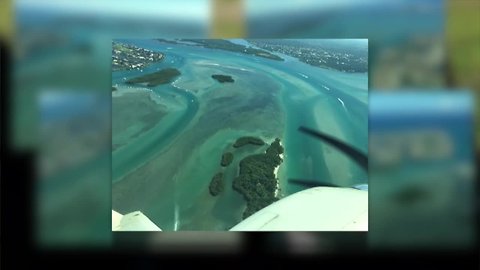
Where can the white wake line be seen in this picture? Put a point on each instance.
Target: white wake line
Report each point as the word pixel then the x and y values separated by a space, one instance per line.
pixel 303 75
pixel 218 65
pixel 343 104
pixel 174 84
pixel 176 218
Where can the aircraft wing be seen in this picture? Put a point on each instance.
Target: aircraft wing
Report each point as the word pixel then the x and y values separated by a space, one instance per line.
pixel 314 209
pixel 135 221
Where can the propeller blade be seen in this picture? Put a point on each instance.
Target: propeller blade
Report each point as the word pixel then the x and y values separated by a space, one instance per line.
pixel 360 158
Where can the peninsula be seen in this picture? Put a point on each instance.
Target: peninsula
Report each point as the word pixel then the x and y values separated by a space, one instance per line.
pixel 128 57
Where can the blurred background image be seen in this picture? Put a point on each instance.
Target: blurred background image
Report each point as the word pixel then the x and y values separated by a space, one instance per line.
pixel 423 193
pixel 406 47
pixel 421 171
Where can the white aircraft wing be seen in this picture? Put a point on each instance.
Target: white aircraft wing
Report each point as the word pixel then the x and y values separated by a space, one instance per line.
pixel 314 209
pixel 135 221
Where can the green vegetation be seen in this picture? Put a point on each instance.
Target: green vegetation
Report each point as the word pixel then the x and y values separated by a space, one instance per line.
pixel 248 140
pixel 256 180
pixel 217 184
pixel 114 88
pixel 275 150
pixel 223 78
pixel 227 45
pixel 226 159
pixel 153 79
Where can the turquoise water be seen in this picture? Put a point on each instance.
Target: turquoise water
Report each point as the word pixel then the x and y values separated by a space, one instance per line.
pixel 143 148
pixel 165 172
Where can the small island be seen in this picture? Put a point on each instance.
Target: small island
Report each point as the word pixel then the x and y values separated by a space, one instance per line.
pixel 257 181
pixel 163 76
pixel 114 88
pixel 248 140
pixel 227 158
pixel 217 184
pixel 223 78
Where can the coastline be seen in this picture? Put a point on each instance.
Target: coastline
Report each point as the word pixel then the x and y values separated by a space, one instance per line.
pixel 275 172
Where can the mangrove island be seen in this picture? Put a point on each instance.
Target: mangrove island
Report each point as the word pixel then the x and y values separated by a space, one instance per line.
pixel 223 78
pixel 256 180
pixel 216 185
pixel 248 140
pixel 163 76
pixel 227 159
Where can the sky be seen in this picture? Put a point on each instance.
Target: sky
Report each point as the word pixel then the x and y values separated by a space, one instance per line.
pixel 269 7
pixel 260 7
pixel 196 10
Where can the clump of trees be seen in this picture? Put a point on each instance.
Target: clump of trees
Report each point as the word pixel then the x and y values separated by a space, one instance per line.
pixel 217 184
pixel 256 180
pixel 223 78
pixel 227 158
pixel 274 151
pixel 163 76
pixel 248 140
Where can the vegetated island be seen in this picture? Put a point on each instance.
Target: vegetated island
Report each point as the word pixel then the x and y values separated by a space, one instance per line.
pixel 163 76
pixel 114 88
pixel 227 158
pixel 256 180
pixel 248 140
pixel 216 185
pixel 223 78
